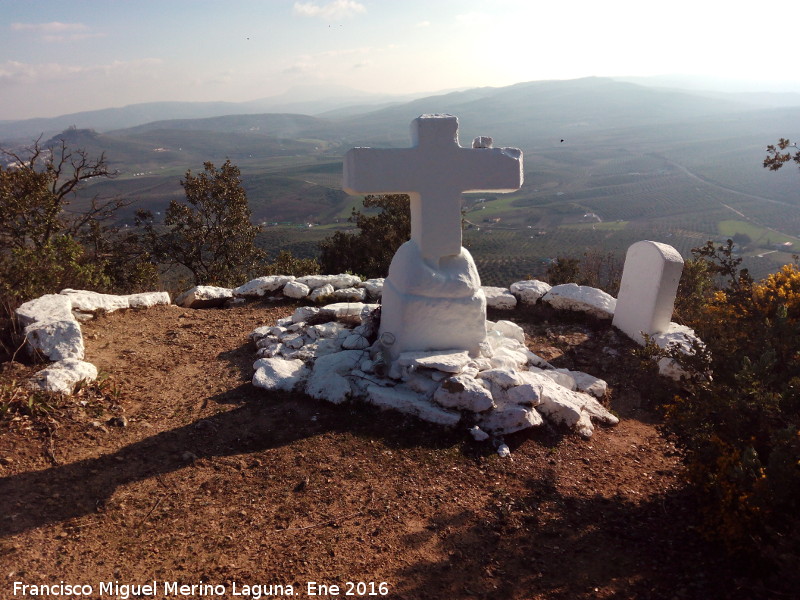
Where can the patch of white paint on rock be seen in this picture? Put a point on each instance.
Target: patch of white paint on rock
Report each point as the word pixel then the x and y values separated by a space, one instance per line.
pixel 499 298
pixel 62 376
pixel 529 291
pixel 261 286
pixel 204 296
pixel 592 301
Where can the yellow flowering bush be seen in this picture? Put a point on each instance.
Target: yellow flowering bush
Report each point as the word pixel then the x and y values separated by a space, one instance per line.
pixel 740 427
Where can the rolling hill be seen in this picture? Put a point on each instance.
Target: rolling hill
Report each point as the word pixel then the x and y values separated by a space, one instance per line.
pixel 606 163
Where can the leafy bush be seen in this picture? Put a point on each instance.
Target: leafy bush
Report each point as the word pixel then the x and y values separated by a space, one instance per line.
pixel 740 427
pixel 369 252
pixel 45 247
pixel 210 234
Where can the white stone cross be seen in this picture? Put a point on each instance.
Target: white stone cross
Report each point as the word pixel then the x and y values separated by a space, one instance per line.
pixel 434 172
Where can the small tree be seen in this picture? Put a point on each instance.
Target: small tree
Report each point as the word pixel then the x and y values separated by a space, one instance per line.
pixel 43 245
pixel 370 251
pixel 777 157
pixel 211 234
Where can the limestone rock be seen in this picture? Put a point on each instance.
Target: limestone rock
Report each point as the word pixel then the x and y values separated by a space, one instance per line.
pixel 91 302
pixel 279 374
pixel 322 293
pixel 509 329
pixel 295 289
pixel 303 314
pixel 529 291
pixel 62 376
pixel 343 280
pixel 675 336
pixel 464 393
pixel 510 418
pixel 50 307
pixel 56 340
pixel 374 287
pixel 452 361
pixel 327 381
pixel 409 402
pixel 570 296
pixel 148 299
pixel 350 310
pixel 350 294
pixel 499 298
pixel 260 286
pixel 572 409
pixel 204 296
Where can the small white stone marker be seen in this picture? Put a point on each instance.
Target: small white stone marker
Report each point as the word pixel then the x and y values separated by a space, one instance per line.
pixel 647 292
pixel 432 298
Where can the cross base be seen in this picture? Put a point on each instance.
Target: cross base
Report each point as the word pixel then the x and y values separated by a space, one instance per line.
pixel 432 307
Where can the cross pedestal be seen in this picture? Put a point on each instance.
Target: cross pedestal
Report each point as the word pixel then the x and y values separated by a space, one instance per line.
pixel 432 297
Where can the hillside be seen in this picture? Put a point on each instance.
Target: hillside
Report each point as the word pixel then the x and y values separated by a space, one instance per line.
pixel 606 163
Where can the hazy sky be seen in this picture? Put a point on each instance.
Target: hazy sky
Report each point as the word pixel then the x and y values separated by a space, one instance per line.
pixel 63 56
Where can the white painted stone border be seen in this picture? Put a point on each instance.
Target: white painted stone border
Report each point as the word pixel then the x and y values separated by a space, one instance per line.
pixel 52 329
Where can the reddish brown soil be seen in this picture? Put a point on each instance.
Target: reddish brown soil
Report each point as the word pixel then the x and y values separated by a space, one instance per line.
pixel 215 481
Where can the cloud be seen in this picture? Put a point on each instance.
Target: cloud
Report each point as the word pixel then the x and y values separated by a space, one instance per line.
pixel 54 27
pixel 423 24
pixel 15 72
pixel 332 11
pixel 55 31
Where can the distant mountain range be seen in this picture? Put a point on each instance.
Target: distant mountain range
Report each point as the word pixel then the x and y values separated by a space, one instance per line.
pixel 672 165
pixel 308 100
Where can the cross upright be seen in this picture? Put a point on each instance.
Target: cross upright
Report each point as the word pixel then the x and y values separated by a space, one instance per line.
pixel 434 172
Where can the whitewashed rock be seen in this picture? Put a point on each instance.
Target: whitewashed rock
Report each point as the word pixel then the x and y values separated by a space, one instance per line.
pixel 56 340
pixel 509 329
pixel 562 377
pixel 350 310
pixel 204 296
pixel 527 394
pixel 570 296
pixel 91 302
pixel 452 361
pixel 510 418
pixel 464 393
pixel 343 280
pixel 355 341
pixel 374 287
pixel 325 330
pixel 295 289
pixel 350 294
pixel 260 286
pixel 499 298
pixel 50 307
pixel 408 402
pixel 529 291
pixel 261 332
pixel 327 381
pixel 478 434
pixel 279 374
pixel 63 376
pixel 505 378
pixel 322 293
pixel 680 337
pixel 572 409
pixel 589 384
pixel 302 314
pixel 421 382
pixel 148 299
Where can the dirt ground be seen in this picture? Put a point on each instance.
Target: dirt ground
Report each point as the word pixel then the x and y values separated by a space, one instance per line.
pixel 184 473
